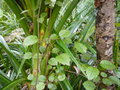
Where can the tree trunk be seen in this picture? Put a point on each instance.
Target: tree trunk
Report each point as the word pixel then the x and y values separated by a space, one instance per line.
pixel 105 33
pixel 105 29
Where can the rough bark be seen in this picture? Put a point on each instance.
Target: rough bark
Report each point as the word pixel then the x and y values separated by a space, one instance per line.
pixel 105 29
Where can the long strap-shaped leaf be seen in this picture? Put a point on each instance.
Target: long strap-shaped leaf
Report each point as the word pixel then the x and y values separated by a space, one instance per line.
pixel 65 85
pixel 78 64
pixel 3 80
pixel 14 62
pixel 66 15
pixel 13 84
pixel 17 11
pixel 52 20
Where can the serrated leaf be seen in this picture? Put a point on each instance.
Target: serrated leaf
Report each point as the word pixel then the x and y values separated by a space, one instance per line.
pixel 63 59
pixel 89 85
pixel 64 33
pixel 80 47
pixel 27 55
pixel 53 61
pixel 55 50
pixel 107 65
pixel 40 86
pixel 61 77
pixel 92 72
pixel 30 40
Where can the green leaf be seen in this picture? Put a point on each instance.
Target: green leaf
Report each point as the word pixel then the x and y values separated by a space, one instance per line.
pixel 89 85
pixel 17 11
pixel 115 80
pixel 51 77
pixel 55 50
pixel 107 65
pixel 40 20
pixel 103 74
pixel 96 80
pixel 27 55
pixel 40 86
pixel 13 59
pixel 65 85
pixel 30 40
pixel 61 77
pixel 63 59
pixel 42 78
pixel 52 86
pixel 67 13
pixel 107 81
pixel 4 80
pixel 54 37
pixel 80 47
pixel 13 84
pixel 53 61
pixel 64 33
pixel 117 72
pixel 42 49
pixel 30 77
pixel 92 72
pixel 68 41
pixel 59 3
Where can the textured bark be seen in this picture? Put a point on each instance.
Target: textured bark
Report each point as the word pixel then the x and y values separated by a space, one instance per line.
pixel 105 29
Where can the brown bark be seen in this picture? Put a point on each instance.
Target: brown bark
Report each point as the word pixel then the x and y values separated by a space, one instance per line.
pixel 105 29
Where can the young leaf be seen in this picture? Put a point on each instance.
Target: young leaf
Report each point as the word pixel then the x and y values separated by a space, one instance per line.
pixel 27 55
pixel 63 59
pixel 42 78
pixel 61 77
pixel 107 65
pixel 55 50
pixel 30 77
pixel 54 37
pixel 40 86
pixel 64 33
pixel 89 85
pixel 115 80
pixel 30 40
pixel 51 77
pixel 107 81
pixel 53 61
pixel 80 47
pixel 52 86
pixel 103 74
pixel 92 72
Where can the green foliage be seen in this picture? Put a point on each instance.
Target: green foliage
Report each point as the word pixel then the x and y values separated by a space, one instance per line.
pixel 107 65
pixel 30 40
pixel 63 59
pixel 89 85
pixel 58 47
pixel 80 47
pixel 27 55
pixel 40 86
pixel 53 61
pixel 61 77
pixel 92 72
